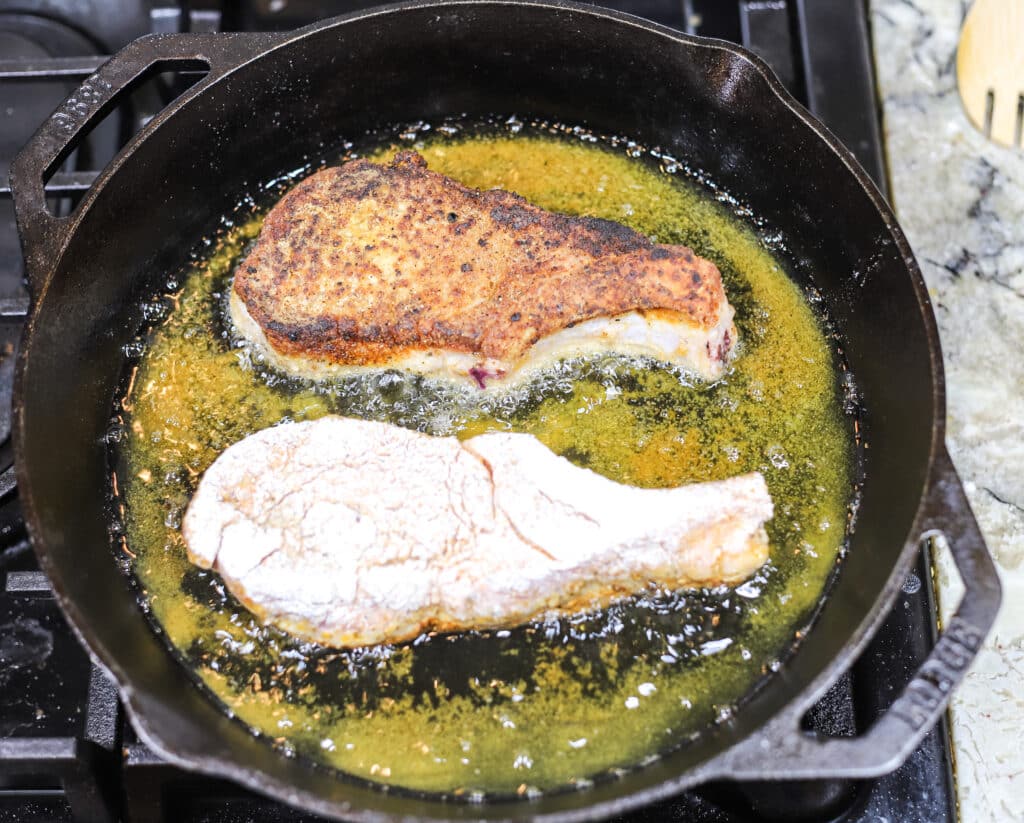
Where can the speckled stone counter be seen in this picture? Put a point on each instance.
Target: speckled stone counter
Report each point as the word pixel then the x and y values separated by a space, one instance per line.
pixel 960 200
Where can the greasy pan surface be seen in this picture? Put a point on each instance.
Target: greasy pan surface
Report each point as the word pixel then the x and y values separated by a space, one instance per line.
pixel 702 101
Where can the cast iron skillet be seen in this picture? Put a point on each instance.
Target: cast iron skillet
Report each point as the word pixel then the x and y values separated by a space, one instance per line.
pixel 272 101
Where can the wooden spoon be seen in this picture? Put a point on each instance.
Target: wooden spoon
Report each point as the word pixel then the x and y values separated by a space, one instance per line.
pixel 990 69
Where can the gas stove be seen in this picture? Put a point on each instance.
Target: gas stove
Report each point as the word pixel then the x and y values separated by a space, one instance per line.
pixel 66 749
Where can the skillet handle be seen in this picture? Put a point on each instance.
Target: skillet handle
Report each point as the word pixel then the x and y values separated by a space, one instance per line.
pixel 43 234
pixel 781 750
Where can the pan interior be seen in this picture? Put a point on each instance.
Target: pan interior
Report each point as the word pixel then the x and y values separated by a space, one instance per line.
pixel 562 701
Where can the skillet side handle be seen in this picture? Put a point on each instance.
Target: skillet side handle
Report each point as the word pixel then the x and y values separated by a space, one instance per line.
pixel 782 751
pixel 43 234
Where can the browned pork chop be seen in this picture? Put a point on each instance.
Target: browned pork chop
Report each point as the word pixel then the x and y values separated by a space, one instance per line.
pixel 397 266
pixel 349 532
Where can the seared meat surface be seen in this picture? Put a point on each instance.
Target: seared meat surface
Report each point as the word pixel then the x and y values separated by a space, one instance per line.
pixel 397 266
pixel 350 533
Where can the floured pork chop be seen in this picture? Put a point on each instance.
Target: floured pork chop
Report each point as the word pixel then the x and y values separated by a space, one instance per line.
pixel 397 266
pixel 349 532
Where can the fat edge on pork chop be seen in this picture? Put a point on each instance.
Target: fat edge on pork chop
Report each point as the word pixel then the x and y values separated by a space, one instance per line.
pixel 395 266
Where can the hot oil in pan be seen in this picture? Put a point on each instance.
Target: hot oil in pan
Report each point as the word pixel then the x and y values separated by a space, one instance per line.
pixel 555 703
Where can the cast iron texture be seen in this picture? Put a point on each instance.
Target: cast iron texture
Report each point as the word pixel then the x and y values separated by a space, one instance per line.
pixel 708 102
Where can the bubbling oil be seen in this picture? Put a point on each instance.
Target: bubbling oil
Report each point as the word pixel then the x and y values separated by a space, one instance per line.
pixel 559 702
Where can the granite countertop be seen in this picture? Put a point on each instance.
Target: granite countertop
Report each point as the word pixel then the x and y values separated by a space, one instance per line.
pixel 960 200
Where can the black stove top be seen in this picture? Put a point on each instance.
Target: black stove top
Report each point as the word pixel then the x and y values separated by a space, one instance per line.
pixel 66 750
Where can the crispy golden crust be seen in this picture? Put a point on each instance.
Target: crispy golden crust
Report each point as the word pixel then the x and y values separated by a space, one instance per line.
pixel 362 263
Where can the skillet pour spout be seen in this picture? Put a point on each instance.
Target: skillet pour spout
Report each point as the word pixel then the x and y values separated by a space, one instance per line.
pixel 268 99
